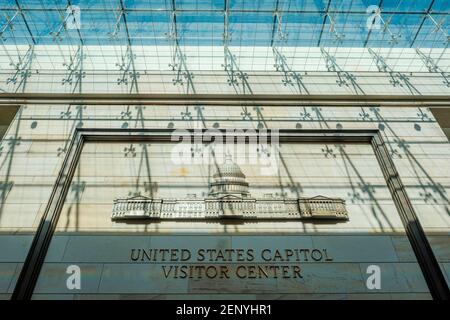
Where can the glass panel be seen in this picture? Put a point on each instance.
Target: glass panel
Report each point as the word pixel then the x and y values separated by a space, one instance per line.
pixel 181 255
pixel 19 196
pixel 251 24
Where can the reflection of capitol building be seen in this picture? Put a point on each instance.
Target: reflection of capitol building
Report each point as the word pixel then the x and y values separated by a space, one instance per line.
pixel 229 197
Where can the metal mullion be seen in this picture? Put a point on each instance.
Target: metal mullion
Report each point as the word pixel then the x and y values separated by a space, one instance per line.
pixel 122 8
pixel 25 21
pixel 234 10
pixel 78 30
pixel 275 21
pixel 421 23
pixel 324 22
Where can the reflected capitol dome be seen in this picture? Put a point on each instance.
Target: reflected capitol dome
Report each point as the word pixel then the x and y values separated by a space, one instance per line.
pixel 229 198
pixel 229 179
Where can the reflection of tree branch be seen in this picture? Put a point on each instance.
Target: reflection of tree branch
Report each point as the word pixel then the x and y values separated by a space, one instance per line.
pixel 180 66
pixel 381 126
pixel 23 69
pixel 397 78
pixel 290 77
pixel 433 67
pixel 320 117
pixel 128 71
pixel 366 188
pixel 328 152
pixel 131 152
pixel 77 123
pixel 236 77
pixel 364 115
pixel 344 77
pixel 14 140
pixel 246 115
pixel 419 170
pixel 75 70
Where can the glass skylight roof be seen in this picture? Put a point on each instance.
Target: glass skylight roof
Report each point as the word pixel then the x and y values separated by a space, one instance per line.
pixel 308 23
pixel 204 35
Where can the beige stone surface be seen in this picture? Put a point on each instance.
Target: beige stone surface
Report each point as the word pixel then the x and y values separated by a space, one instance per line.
pixel 34 146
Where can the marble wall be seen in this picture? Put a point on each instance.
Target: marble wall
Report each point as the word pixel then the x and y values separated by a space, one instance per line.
pixel 107 270
pixel 32 151
pixel 147 69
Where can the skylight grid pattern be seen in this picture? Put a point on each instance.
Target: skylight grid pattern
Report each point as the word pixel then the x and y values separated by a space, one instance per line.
pixel 250 23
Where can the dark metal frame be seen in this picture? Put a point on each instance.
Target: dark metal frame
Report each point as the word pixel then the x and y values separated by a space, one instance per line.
pixel 274 100
pixel 36 255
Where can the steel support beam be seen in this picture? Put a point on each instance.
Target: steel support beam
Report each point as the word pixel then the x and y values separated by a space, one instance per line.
pixel 227 99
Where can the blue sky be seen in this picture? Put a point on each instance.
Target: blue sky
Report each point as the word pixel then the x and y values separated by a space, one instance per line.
pixel 251 23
